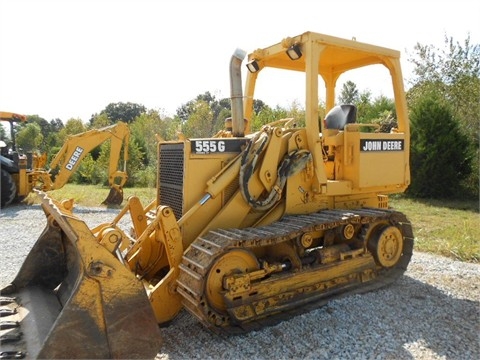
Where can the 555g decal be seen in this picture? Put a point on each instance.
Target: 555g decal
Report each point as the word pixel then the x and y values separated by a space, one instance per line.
pixel 209 146
pixel 212 146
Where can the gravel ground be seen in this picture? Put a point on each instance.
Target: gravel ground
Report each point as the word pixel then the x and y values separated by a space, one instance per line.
pixel 430 313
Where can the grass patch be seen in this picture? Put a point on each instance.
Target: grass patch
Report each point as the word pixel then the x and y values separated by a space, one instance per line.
pixel 447 228
pixel 94 195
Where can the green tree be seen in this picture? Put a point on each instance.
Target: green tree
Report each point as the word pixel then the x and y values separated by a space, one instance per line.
pixel 439 151
pixel 126 112
pixel 349 93
pixel 29 137
pixel 72 127
pixel 258 105
pixel 56 125
pixel 376 110
pixel 453 72
pixel 135 163
pixel 219 110
pixel 100 121
pixel 144 131
pixel 88 172
pixel 200 123
pixel 364 104
pixel 51 140
pixel 267 115
pixel 44 129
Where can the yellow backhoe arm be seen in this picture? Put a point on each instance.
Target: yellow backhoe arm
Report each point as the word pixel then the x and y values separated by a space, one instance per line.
pixel 8 116
pixel 78 146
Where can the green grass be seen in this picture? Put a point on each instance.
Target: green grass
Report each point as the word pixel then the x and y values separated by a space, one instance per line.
pixel 93 195
pixel 448 228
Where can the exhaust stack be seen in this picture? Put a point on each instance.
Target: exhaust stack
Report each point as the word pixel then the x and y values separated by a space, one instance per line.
pixel 236 93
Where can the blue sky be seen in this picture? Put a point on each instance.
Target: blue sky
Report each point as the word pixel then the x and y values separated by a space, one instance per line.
pixel 70 59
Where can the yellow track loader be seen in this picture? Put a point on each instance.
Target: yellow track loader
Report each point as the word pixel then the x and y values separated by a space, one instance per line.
pixel 21 173
pixel 248 227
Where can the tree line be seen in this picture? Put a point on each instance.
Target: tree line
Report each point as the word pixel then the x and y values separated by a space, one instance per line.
pixel 443 102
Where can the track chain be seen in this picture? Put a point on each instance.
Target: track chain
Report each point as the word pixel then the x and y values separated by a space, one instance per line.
pixel 203 252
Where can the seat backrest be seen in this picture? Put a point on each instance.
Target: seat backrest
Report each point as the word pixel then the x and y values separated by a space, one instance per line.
pixel 341 115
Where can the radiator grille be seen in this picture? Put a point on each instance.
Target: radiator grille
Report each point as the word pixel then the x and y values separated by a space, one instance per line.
pixel 382 201
pixel 170 175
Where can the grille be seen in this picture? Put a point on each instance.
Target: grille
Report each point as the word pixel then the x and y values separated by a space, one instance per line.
pixel 170 175
pixel 382 201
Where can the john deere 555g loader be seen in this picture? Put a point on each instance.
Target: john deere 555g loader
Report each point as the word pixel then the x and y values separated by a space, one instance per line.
pixel 247 228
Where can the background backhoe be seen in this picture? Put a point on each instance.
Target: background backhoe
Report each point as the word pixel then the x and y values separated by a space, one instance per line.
pixel 21 173
pixel 248 227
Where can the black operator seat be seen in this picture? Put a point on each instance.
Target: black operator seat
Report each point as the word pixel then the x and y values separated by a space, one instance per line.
pixel 341 115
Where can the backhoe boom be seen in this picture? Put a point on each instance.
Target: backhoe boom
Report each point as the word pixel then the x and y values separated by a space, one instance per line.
pixel 20 176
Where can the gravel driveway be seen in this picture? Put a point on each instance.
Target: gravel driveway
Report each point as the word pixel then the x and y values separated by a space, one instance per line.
pixel 432 312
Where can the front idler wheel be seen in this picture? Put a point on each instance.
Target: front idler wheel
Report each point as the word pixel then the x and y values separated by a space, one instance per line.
pixel 386 245
pixel 233 262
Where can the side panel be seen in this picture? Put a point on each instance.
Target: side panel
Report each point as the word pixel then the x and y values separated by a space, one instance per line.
pixel 185 169
pixel 375 160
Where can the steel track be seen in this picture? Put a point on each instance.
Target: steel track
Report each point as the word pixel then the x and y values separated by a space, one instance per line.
pixel 203 252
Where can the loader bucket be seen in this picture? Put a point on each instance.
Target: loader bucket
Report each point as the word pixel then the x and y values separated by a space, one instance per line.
pixel 74 299
pixel 115 196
